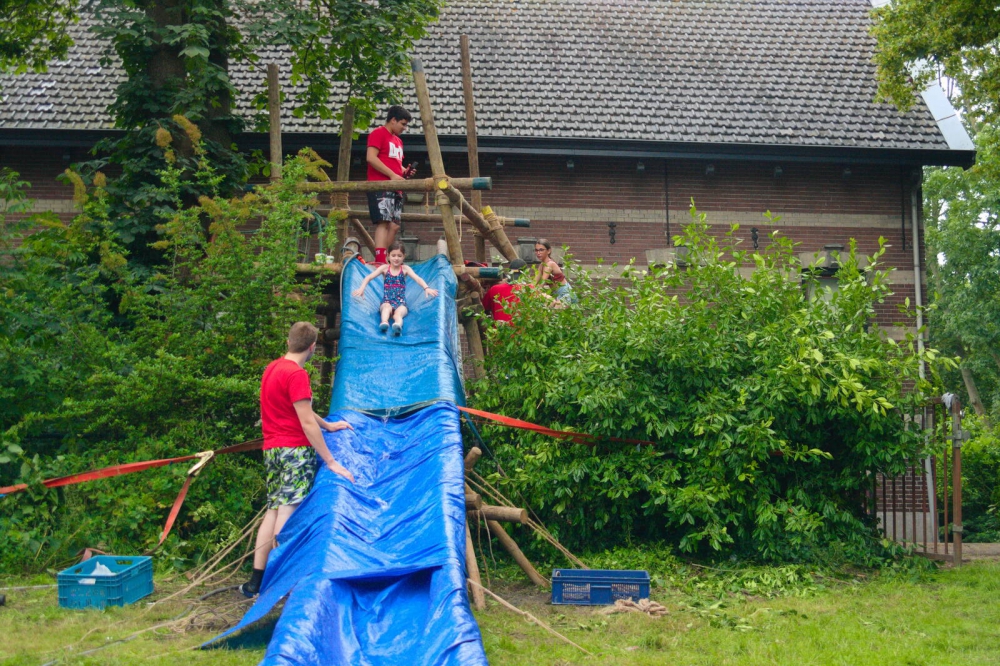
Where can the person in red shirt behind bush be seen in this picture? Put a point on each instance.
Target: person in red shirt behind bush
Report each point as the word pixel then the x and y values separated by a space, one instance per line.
pixel 292 441
pixel 385 162
pixel 497 296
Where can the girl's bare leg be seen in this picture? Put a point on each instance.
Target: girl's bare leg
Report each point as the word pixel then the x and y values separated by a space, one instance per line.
pixel 397 318
pixel 384 311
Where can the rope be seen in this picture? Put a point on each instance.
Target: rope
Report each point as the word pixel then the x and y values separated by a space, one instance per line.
pixel 506 604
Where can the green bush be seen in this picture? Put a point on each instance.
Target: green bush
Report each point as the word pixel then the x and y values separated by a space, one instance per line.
pixel 105 363
pixel 981 483
pixel 768 409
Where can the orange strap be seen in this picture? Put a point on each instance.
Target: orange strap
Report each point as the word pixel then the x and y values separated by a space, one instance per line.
pixel 129 468
pixel 576 437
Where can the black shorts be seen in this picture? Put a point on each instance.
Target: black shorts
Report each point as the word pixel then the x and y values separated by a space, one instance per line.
pixel 385 206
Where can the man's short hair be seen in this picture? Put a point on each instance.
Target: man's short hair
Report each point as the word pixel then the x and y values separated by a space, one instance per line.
pixel 397 112
pixel 301 336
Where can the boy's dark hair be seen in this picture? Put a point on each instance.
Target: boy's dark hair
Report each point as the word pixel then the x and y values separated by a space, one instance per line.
pixel 396 245
pixel 515 268
pixel 301 336
pixel 397 112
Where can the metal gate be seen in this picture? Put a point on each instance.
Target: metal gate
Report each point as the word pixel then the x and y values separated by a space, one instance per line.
pixel 922 508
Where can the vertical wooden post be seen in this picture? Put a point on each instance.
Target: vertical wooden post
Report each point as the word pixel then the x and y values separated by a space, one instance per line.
pixel 274 109
pixel 340 200
pixel 956 483
pixel 474 336
pixel 472 139
pixel 472 567
pixel 444 203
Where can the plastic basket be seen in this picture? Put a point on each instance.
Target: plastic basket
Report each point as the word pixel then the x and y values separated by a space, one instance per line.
pixel 131 580
pixel 598 587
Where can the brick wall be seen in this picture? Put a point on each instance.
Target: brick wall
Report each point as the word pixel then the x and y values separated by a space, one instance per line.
pixel 818 204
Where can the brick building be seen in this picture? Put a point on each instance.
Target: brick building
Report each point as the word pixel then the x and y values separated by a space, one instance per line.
pixel 594 113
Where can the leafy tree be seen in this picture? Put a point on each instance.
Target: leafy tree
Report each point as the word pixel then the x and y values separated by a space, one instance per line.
pixel 920 40
pixel 963 231
pixel 768 410
pixel 35 33
pixel 177 54
pixel 83 390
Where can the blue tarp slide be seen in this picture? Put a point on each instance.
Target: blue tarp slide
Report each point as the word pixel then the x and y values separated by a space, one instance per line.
pixel 374 571
pixel 385 374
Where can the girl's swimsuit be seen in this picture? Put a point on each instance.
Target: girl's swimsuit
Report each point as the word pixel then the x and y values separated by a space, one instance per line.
pixel 395 289
pixel 564 292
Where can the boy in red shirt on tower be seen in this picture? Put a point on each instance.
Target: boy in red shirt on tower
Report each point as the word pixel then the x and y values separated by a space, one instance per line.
pixel 385 162
pixel 292 441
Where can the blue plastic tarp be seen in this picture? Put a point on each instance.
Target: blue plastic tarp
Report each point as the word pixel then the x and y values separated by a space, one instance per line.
pixel 382 373
pixel 374 571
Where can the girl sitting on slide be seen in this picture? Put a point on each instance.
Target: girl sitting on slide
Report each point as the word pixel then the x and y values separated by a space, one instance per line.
pixel 394 301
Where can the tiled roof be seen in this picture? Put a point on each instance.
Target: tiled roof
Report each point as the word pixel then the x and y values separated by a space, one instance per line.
pixel 790 72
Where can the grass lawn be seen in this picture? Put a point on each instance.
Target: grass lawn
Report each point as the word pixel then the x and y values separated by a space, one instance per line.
pixel 953 617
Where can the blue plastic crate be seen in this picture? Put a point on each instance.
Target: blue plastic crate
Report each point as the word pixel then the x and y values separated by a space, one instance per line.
pixel 132 580
pixel 598 587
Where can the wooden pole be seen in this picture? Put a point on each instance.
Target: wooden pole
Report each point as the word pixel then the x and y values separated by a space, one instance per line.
pixel 274 110
pixel 444 201
pixel 472 138
pixel 437 163
pixel 475 338
pixel 484 273
pixel 497 530
pixel 472 457
pixel 502 514
pixel 414 185
pixel 340 200
pixel 363 234
pixel 494 233
pixel 956 484
pixel 473 500
pixel 435 217
pixel 472 567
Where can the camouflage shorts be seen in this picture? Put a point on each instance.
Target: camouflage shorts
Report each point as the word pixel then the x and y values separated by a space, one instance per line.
pixel 290 473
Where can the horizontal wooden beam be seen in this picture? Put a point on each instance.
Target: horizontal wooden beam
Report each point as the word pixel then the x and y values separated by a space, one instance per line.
pixel 503 514
pixel 473 501
pixel 436 217
pixel 478 272
pixel 417 185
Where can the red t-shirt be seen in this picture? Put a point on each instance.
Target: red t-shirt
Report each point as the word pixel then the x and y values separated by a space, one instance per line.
pixel 390 152
pixel 283 383
pixel 495 298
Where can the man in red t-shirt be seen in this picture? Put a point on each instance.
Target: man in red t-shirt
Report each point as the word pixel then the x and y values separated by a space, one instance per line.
pixel 497 296
pixel 292 440
pixel 385 162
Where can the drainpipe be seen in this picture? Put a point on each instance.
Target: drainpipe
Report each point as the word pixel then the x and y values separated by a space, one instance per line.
pixel 917 287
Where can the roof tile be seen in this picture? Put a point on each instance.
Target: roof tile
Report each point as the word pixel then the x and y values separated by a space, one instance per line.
pixel 756 71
